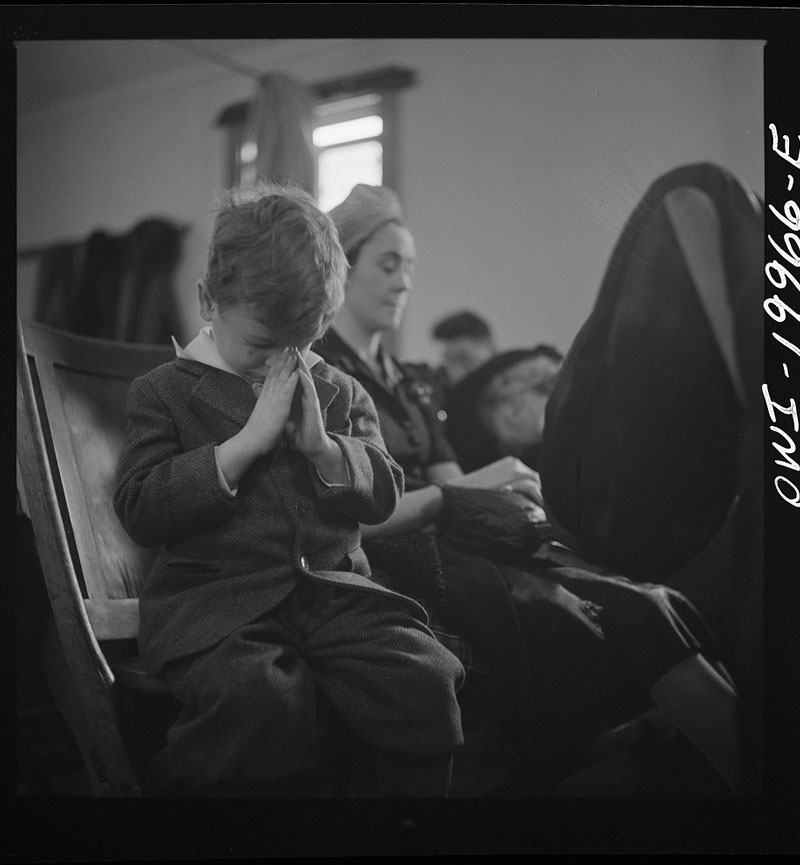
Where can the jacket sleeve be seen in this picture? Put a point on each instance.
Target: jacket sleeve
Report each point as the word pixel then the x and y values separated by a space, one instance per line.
pixel 164 494
pixel 376 480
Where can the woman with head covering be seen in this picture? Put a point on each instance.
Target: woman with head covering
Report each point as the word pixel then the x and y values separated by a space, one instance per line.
pixel 571 648
pixel 370 219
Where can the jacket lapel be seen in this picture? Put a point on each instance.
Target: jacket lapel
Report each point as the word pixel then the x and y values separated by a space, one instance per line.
pixel 222 399
pixel 326 391
pixel 335 351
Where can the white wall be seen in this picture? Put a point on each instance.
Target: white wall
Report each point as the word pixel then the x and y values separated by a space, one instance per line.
pixel 520 160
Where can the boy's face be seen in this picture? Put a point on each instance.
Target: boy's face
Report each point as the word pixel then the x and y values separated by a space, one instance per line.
pixel 243 342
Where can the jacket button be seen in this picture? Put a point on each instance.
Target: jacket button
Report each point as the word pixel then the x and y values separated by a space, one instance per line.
pixel 304 563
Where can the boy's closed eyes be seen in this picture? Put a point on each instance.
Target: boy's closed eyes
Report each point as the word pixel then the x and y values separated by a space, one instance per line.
pixel 246 345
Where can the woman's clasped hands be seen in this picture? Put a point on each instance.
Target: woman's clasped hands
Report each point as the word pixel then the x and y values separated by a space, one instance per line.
pixel 507 473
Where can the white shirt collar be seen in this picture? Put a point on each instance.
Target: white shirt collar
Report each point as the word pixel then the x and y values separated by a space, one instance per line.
pixel 203 349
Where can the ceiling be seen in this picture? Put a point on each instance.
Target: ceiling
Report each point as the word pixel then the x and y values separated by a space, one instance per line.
pixel 50 72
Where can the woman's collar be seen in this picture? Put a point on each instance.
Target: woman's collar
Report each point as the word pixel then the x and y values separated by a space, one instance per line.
pixel 346 356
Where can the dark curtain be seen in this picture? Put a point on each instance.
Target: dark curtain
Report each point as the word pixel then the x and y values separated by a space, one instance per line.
pixel 117 287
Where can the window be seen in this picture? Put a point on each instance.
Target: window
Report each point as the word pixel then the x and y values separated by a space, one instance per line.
pixel 348 141
pixel 355 138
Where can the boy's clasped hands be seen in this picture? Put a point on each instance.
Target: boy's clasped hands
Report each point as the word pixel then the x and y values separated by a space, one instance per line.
pixel 283 411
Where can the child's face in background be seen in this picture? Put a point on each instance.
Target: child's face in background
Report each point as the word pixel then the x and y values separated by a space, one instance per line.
pixel 243 342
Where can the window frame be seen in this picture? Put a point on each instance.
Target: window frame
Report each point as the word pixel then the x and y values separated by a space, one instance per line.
pixel 387 82
pixel 340 110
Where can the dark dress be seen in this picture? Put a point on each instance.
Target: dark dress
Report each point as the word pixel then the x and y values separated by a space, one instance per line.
pixel 570 650
pixel 661 391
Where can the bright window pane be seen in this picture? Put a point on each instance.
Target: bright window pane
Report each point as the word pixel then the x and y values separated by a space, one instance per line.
pixel 248 152
pixel 340 168
pixel 349 130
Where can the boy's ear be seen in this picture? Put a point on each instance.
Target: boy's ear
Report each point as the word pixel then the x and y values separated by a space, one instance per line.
pixel 206 302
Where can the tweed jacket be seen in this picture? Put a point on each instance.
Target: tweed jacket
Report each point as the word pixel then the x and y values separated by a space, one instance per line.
pixel 225 561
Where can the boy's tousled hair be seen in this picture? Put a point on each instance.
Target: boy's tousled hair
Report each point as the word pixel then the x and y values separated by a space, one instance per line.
pixel 273 249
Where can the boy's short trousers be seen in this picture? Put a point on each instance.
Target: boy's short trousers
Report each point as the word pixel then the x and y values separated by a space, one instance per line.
pixel 249 703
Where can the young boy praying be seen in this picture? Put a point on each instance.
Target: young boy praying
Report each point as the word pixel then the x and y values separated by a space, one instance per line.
pixel 250 463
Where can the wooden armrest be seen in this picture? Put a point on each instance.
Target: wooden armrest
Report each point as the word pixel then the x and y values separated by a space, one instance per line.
pixel 130 674
pixel 649 725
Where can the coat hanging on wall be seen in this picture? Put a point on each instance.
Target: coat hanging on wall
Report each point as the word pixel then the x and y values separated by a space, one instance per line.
pixel 146 309
pixel 55 300
pixel 113 286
